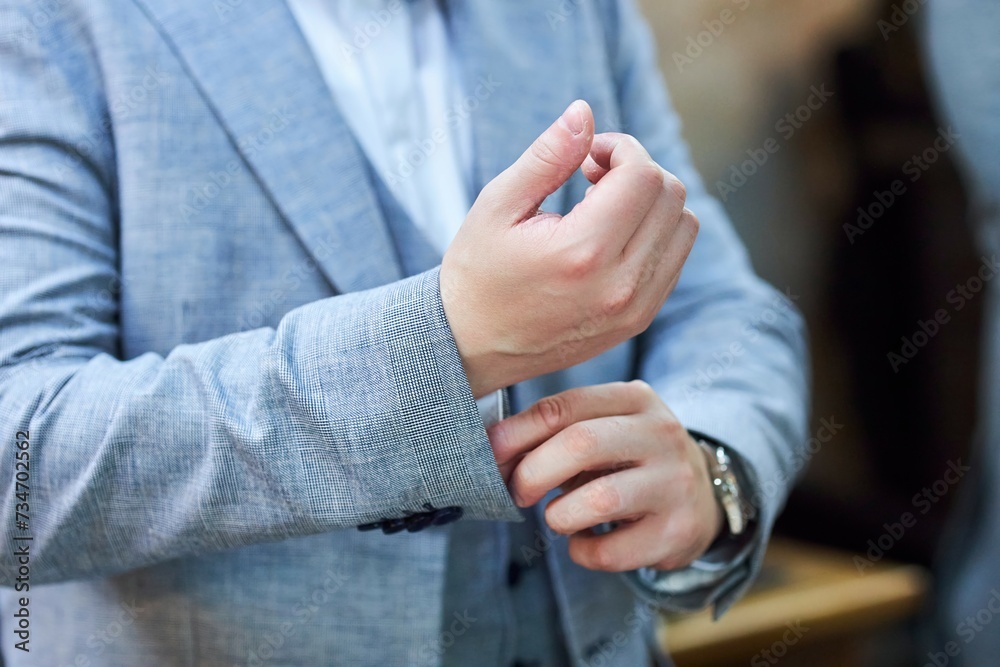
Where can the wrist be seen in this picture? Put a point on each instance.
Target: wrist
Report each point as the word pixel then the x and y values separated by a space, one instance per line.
pixel 480 369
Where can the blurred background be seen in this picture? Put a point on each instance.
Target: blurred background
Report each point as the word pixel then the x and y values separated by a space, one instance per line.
pixel 801 116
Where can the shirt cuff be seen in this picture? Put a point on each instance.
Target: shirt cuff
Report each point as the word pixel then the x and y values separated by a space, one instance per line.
pixel 493 407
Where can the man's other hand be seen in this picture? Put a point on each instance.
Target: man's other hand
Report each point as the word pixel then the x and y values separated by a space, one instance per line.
pixel 620 455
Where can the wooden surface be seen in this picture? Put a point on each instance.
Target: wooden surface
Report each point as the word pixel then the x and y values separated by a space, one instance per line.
pixel 818 591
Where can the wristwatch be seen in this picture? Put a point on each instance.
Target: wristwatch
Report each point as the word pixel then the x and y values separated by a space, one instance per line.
pixel 727 488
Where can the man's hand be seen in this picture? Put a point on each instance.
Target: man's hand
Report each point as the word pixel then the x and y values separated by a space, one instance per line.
pixel 527 293
pixel 620 455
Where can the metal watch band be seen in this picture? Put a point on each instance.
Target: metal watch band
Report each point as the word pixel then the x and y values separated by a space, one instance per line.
pixel 725 485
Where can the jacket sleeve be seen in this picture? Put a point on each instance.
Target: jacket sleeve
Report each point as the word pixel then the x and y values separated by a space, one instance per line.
pixel 352 409
pixel 727 353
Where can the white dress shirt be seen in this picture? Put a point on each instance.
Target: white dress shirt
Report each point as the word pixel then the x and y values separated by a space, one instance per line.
pixel 390 68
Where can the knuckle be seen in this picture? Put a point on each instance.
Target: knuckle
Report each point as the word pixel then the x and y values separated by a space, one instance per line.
pixel 650 173
pixel 604 499
pixel 555 521
pixel 583 261
pixel 635 321
pixel 546 153
pixel 582 442
pixel 670 430
pixel 622 297
pixel 641 389
pixel 602 557
pixel 675 188
pixel 690 222
pixel 632 141
pixel 554 411
pixel 636 150
pixel 521 480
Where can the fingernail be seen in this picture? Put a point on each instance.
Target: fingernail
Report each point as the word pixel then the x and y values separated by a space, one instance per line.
pixel 572 119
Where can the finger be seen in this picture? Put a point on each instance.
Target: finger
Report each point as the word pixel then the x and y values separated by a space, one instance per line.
pixel 526 430
pixel 672 260
pixel 648 542
pixel 548 163
pixel 621 198
pixel 660 223
pixel 614 149
pixel 593 170
pixel 580 479
pixel 660 274
pixel 607 443
pixel 626 495
pixel 627 547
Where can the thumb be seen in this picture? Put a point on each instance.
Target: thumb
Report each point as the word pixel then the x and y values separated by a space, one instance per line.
pixel 547 164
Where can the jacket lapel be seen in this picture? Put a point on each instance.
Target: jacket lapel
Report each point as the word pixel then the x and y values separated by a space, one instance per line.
pixel 259 76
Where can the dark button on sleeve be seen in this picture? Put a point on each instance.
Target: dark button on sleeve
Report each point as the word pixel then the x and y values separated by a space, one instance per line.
pixel 417 522
pixel 390 526
pixel 447 515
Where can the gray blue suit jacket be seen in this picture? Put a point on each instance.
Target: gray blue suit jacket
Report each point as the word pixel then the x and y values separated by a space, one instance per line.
pixel 221 367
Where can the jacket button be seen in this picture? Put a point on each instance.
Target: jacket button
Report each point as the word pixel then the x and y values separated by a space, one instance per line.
pixel 370 526
pixel 419 521
pixel 390 526
pixel 447 515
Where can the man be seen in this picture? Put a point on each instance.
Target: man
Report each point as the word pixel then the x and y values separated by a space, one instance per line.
pixel 242 343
